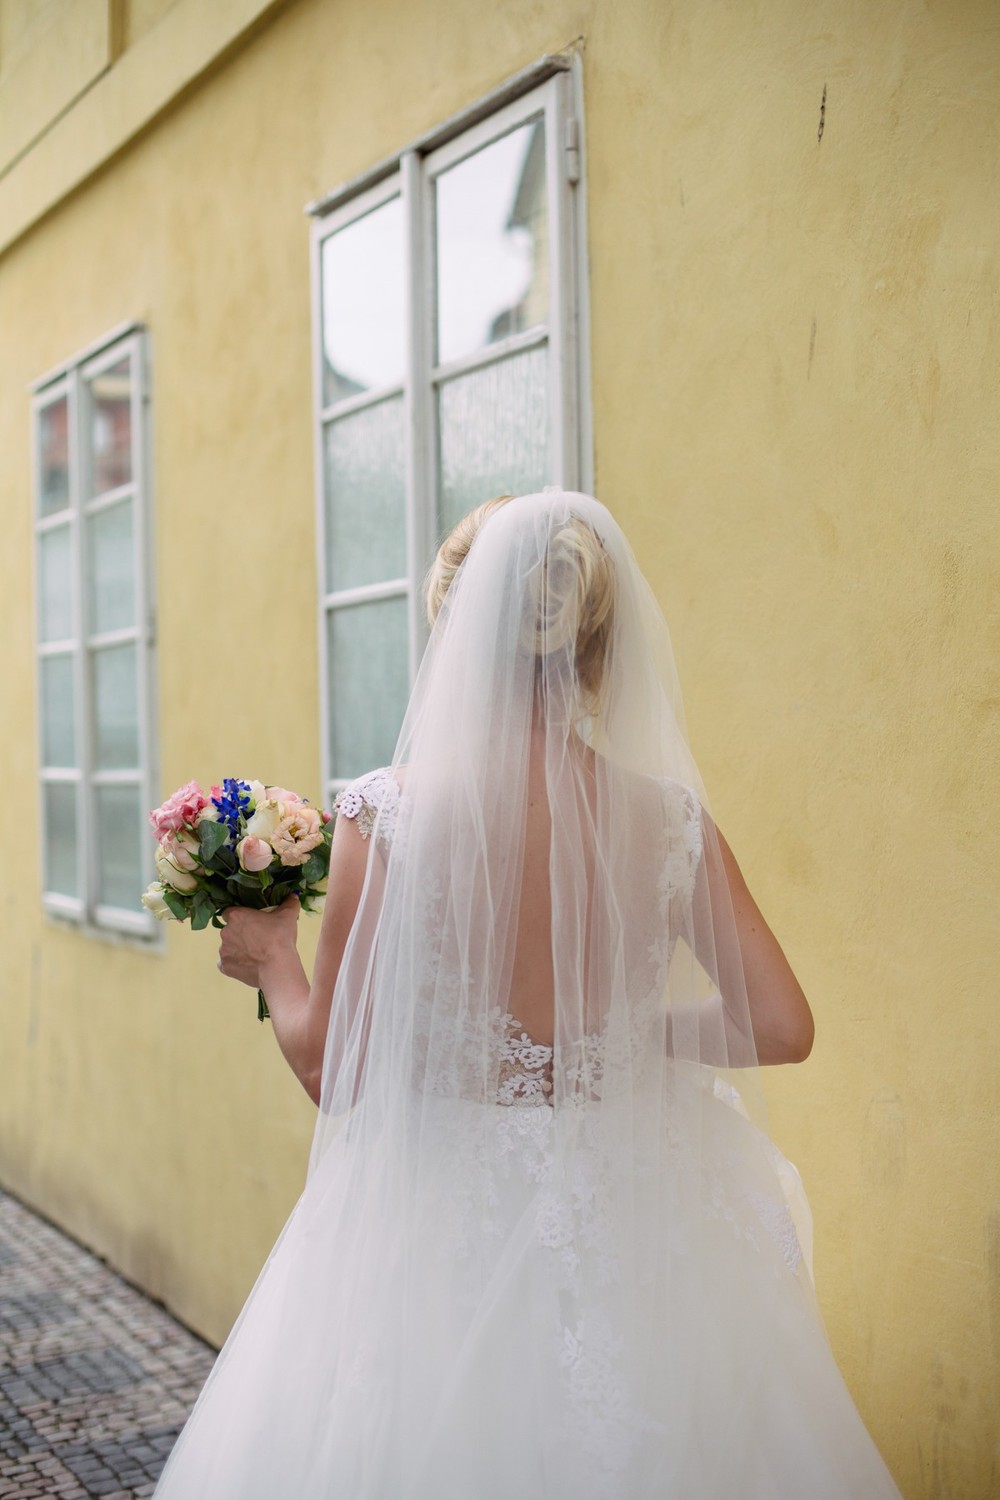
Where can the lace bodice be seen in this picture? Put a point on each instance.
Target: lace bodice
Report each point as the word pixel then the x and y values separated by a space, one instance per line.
pixel 524 1066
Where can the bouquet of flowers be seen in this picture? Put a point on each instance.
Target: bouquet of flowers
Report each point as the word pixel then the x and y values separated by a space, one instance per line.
pixel 246 844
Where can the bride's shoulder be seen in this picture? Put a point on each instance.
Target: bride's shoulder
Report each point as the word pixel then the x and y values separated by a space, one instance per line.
pixel 370 798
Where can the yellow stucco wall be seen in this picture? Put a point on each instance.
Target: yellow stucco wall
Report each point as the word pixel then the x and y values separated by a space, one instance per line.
pixel 795 355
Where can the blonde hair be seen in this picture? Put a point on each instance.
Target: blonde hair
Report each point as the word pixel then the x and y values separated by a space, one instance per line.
pixel 454 550
pixel 579 592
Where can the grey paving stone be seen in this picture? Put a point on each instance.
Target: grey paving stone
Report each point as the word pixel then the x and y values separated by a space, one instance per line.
pixel 96 1380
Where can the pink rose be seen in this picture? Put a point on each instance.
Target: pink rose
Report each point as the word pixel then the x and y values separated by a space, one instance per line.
pixel 181 849
pixel 179 810
pixel 254 853
pixel 281 794
pixel 297 835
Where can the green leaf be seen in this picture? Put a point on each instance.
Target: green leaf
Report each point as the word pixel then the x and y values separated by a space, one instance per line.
pixel 202 911
pixel 211 837
pixel 315 867
pixel 178 906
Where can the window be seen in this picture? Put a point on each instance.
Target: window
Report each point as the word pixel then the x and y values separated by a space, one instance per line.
pixel 93 629
pixel 448 305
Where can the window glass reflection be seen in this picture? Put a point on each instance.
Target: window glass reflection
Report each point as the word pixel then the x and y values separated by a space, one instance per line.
pixel 493 433
pixel 53 457
pixel 492 244
pixel 365 496
pixel 111 428
pixel 368 684
pixel 119 829
pixel 363 304
pixel 60 838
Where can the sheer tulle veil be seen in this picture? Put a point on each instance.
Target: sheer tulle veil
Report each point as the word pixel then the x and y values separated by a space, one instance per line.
pixel 550 656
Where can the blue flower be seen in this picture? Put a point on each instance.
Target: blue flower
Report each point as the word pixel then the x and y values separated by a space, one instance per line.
pixel 232 804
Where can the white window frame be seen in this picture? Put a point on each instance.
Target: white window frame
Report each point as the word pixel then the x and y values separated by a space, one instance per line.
pixel 69 380
pixel 551 89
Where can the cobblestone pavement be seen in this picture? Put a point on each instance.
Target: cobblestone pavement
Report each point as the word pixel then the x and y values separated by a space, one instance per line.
pixel 95 1380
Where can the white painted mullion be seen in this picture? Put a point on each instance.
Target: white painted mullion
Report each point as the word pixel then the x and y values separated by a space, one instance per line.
pixel 42 524
pixel 579 311
pixel 362 402
pixel 490 354
pixel 317 236
pixel 45 524
pixel 123 492
pixel 118 778
pixel 76 418
pixel 141 550
pixel 366 593
pixel 421 511
pixel 560 367
pixel 125 636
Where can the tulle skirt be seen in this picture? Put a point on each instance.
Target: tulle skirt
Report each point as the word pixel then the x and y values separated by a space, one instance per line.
pixel 535 1316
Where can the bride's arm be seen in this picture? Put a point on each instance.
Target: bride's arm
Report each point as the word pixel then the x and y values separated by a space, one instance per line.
pixel 780 1016
pixel 258 948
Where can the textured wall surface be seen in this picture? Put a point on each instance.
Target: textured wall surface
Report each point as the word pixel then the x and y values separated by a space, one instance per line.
pixel 794 247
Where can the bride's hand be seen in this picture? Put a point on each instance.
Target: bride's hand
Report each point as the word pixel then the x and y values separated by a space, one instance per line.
pixel 252 940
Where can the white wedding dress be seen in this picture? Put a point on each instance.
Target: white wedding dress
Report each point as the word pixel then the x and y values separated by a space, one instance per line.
pixel 500 1330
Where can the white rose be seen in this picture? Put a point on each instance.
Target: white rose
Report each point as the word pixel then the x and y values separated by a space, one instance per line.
pixel 258 792
pixel 267 816
pixel 153 900
pixel 171 874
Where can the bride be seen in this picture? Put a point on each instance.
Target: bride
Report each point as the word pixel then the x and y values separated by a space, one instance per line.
pixel 546 1248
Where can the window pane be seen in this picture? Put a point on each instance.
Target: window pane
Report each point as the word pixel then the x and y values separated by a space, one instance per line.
pixel 60 876
pixel 111 428
pixel 58 728
pixel 369 683
pixel 111 568
pixel 493 428
pixel 121 876
pixel 365 487
pixel 55 585
pixel 115 708
pixel 364 304
pixel 492 244
pixel 53 457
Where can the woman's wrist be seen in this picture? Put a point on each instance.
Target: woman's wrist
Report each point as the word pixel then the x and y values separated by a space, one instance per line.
pixel 282 978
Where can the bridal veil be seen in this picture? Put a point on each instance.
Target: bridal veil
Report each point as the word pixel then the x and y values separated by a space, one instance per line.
pixel 545 1247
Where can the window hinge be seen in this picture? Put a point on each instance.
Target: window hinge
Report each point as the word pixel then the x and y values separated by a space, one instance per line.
pixel 572 150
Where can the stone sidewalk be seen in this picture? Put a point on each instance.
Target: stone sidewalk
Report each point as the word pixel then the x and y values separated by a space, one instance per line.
pixel 95 1380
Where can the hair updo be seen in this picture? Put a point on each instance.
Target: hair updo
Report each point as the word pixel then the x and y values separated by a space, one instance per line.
pixel 578 593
